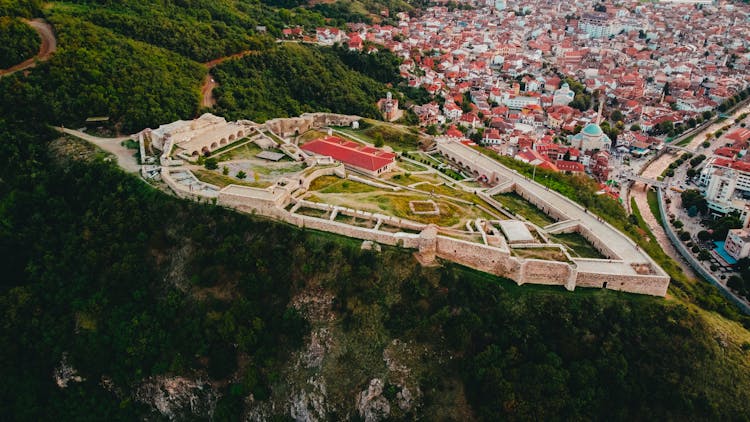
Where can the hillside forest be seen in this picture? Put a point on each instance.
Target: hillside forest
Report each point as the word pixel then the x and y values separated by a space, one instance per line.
pixel 122 302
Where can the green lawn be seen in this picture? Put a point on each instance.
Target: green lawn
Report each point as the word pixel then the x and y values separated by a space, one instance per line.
pixel 235 152
pixel 221 180
pixel 333 184
pixel 409 166
pixel 517 205
pixel 653 205
pixel 578 245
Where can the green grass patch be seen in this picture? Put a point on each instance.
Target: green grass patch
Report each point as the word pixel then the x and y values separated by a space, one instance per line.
pixel 685 141
pixel 398 138
pixel 220 180
pixel 333 184
pixel 237 151
pixel 517 205
pixel 312 212
pixel 653 205
pixel 311 135
pixel 578 245
pixel 409 166
pixel 275 138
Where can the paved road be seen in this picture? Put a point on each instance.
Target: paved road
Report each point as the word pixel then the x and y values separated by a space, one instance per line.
pixel 615 240
pixel 125 157
pixel 48 46
pixel 655 169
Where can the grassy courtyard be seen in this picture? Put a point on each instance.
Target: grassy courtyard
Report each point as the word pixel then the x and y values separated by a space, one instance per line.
pixel 517 205
pixel 350 194
pixel 578 245
pixel 243 152
pixel 220 180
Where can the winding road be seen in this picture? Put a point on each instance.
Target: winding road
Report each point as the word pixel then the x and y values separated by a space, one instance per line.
pixel 652 171
pixel 48 46
pixel 207 89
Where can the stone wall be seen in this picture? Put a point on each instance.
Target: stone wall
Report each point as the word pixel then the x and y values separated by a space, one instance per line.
pixel 644 284
pixel 540 203
pixel 537 271
pixel 183 191
pixel 480 257
pixel 597 243
pixel 292 126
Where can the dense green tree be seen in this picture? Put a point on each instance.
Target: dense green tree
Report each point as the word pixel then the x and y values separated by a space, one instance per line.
pixel 693 197
pixel 18 41
pixel 289 80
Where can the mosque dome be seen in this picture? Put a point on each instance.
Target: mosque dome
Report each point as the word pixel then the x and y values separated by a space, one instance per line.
pixel 592 129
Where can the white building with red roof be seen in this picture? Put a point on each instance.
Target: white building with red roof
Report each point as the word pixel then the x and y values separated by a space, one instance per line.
pixel 369 160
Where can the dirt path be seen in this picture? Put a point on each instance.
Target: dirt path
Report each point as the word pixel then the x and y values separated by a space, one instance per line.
pixel 207 89
pixel 48 46
pixel 125 157
pixel 638 192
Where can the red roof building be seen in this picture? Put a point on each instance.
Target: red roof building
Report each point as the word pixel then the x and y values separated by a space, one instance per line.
pixel 372 161
pixel 570 166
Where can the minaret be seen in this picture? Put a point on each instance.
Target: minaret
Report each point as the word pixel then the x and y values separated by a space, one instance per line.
pixel 599 114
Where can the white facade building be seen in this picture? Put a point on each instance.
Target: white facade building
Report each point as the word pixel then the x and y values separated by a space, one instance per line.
pixel 727 185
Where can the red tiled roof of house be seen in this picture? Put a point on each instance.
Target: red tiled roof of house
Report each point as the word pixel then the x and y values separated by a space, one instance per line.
pixel 739 135
pixel 725 152
pixel 350 153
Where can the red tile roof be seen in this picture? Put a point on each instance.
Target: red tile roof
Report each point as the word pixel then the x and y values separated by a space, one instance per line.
pixel 350 153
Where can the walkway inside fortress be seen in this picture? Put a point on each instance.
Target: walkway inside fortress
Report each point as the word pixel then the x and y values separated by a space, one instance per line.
pixel 616 241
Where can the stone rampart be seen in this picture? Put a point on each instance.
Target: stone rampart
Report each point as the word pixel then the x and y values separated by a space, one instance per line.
pixel 553 273
pixel 184 191
pixel 263 201
pixel 293 126
pixel 406 240
pixel 634 283
pixel 485 258
pixel 326 171
pixel 597 243
pixel 372 183
pixel 540 203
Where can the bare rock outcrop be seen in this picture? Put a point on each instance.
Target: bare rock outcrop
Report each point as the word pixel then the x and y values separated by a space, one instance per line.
pixel 371 404
pixel 178 397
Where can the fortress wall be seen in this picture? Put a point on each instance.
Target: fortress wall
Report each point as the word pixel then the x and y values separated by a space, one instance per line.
pixel 540 203
pixel 537 271
pixel 372 183
pixel 328 171
pixel 599 244
pixel 248 204
pixel 401 239
pixel 643 284
pixel 480 257
pixel 183 191
pixel 291 126
pixel 285 127
pixel 331 119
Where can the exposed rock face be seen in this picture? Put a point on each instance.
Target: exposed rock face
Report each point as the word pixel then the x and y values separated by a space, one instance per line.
pixel 396 356
pixel 371 404
pixel 310 405
pixel 65 373
pixel 178 397
pixel 369 245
